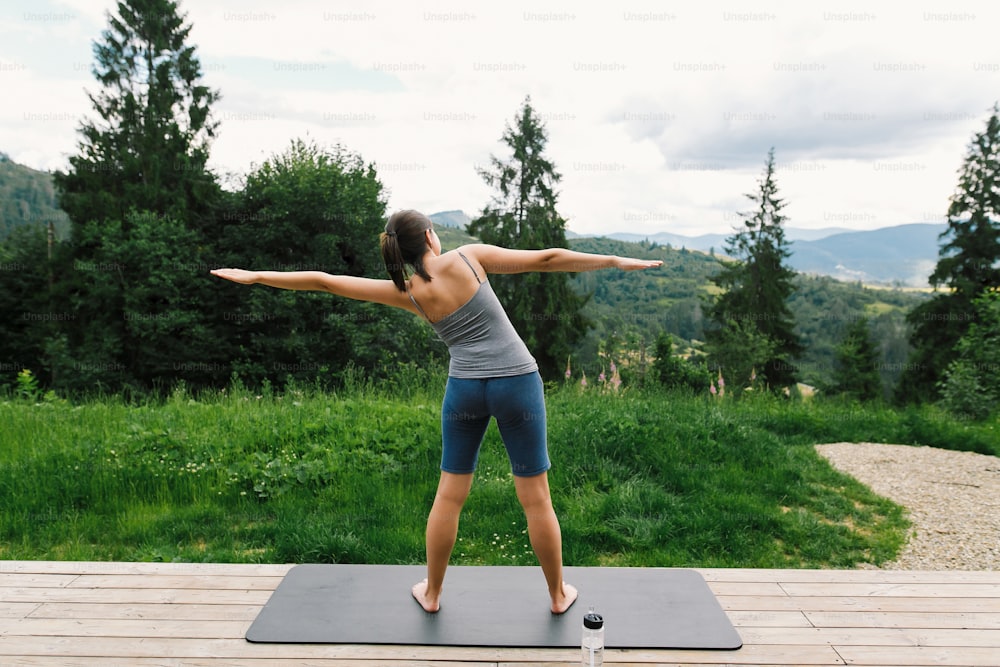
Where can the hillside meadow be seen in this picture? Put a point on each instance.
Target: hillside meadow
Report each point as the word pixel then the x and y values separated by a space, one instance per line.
pixel 639 478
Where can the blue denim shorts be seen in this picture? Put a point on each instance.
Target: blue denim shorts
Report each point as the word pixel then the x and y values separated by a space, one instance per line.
pixel 517 403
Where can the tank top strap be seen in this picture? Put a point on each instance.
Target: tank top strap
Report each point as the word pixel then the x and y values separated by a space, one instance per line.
pixel 417 305
pixel 470 266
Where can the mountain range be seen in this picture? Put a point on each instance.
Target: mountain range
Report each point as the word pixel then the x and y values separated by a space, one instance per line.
pixel 901 255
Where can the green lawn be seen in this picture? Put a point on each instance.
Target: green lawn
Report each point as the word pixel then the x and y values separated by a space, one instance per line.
pixel 640 478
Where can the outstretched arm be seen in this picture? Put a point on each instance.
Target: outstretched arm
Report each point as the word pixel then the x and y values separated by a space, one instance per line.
pixel 495 259
pixel 352 287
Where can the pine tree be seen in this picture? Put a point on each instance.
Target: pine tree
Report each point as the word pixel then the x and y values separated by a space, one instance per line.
pixel 971 384
pixel 856 367
pixel 968 265
pixel 148 147
pixel 522 214
pixel 969 261
pixel 756 289
pixel 140 200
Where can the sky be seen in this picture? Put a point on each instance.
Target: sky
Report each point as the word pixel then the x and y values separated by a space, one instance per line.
pixel 659 114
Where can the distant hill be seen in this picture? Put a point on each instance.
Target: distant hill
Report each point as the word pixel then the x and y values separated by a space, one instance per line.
pixel 28 197
pixel 456 219
pixel 706 242
pixel 903 255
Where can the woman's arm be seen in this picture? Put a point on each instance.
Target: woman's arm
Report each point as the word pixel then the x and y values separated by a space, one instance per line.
pixel 351 287
pixel 495 259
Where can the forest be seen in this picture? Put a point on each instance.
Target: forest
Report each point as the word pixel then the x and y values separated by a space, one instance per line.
pixel 627 313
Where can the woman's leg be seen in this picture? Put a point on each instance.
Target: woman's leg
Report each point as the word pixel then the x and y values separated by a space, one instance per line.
pixel 463 423
pixel 519 406
pixel 442 529
pixel 545 536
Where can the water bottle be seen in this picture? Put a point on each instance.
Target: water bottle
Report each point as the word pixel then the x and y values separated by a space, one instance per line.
pixel 592 654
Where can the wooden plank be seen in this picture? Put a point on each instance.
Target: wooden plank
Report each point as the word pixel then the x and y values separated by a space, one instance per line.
pixel 852 576
pixel 768 619
pixel 184 581
pixel 892 656
pixel 946 605
pixel 763 589
pixel 22 580
pixel 900 619
pixel 16 609
pixel 135 596
pixel 874 589
pixel 194 612
pixel 871 636
pixel 118 567
pixel 79 627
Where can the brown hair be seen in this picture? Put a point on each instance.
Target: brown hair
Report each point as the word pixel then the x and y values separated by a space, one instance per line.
pixel 403 243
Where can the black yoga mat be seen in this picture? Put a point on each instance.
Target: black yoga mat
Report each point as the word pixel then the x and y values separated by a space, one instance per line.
pixel 492 606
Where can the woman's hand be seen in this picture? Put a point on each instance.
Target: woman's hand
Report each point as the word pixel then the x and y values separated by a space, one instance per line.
pixel 630 264
pixel 237 275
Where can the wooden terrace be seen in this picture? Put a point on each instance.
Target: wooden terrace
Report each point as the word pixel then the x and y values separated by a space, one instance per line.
pixel 171 614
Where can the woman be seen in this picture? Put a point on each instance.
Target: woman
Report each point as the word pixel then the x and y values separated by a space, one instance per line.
pixel 491 374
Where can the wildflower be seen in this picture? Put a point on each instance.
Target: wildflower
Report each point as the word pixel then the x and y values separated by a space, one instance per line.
pixel 711 387
pixel 583 380
pixel 569 372
pixel 722 385
pixel 601 378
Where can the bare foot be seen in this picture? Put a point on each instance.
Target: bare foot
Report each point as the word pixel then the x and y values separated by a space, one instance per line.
pixel 564 601
pixel 430 604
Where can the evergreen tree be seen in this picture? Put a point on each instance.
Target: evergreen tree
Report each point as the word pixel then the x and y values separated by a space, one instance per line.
pixel 140 202
pixel 755 291
pixel 148 147
pixel 29 318
pixel 856 371
pixel 968 264
pixel 522 214
pixel 971 385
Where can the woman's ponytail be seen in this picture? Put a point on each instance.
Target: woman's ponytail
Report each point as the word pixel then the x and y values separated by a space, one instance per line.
pixel 393 258
pixel 403 243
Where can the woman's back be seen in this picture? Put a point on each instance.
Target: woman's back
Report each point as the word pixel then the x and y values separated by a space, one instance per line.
pixel 481 340
pixel 454 282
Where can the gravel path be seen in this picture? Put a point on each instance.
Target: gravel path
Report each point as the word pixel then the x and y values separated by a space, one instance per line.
pixel 952 498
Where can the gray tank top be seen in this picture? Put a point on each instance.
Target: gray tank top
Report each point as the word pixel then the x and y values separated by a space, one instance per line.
pixel 481 340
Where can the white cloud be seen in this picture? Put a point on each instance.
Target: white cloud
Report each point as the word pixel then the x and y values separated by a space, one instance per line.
pixel 660 115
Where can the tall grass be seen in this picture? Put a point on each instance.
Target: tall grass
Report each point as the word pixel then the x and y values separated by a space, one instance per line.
pixel 641 479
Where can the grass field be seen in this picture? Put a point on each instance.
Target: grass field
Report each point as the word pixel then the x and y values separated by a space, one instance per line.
pixel 640 478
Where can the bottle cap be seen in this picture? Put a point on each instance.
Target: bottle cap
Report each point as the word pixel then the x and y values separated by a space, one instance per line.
pixel 593 621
